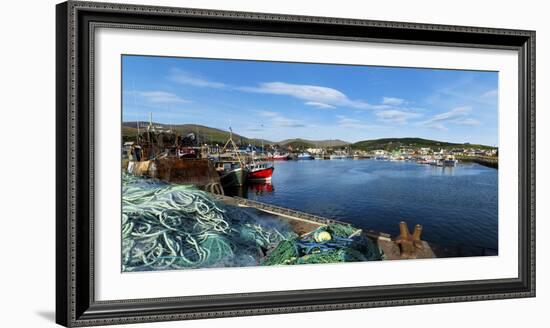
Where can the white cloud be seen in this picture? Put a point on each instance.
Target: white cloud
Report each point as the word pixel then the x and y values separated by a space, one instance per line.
pixel 490 93
pixel 319 105
pixel 467 121
pixel 188 78
pixel 278 120
pixel 437 126
pixel 160 97
pixel 311 94
pixel 450 115
pixel 351 123
pixel 457 116
pixel 393 101
pixel 396 116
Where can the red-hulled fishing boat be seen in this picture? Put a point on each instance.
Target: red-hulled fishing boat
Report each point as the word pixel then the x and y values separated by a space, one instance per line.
pixel 260 171
pixel 280 157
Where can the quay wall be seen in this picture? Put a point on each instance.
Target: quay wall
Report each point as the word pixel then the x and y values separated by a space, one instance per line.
pixel 485 161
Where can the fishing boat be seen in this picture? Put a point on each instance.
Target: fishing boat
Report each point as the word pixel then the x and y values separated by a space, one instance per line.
pixel 231 167
pixel 449 161
pixel 231 173
pixel 281 157
pixel 339 156
pixel 397 158
pixel 305 156
pixel 259 171
pixel 187 152
pixel 427 160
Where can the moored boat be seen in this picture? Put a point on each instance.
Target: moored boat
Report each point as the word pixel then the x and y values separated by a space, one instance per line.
pixel 305 156
pixel 261 171
pixel 281 157
pixel 450 161
pixel 231 173
pixel 339 156
pixel 187 152
pixel 427 160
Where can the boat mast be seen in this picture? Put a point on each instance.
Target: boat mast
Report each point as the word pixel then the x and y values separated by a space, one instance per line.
pixel 263 152
pixel 137 136
pixel 234 145
pixel 134 98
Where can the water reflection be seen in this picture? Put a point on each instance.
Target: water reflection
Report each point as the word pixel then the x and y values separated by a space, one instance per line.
pixel 252 188
pixel 452 203
pixel 259 188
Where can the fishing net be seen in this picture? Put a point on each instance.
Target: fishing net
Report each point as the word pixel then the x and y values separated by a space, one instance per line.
pixel 327 244
pixel 168 226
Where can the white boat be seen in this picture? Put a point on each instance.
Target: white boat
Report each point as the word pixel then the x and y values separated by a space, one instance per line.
pixel 306 156
pixel 339 156
pixel 450 161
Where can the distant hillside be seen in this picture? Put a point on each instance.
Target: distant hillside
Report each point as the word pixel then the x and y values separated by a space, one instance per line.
pixel 392 143
pixel 204 133
pixel 218 136
pixel 313 143
pixel 213 135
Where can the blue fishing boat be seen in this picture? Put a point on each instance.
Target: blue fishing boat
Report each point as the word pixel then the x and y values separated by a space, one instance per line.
pixel 305 156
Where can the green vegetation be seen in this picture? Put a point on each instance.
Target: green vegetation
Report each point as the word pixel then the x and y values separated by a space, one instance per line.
pixel 128 133
pixel 204 133
pixel 393 143
pixel 217 136
pixel 314 143
pixel 297 144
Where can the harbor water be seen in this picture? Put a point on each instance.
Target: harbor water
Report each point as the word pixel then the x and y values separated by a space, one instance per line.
pixel 457 206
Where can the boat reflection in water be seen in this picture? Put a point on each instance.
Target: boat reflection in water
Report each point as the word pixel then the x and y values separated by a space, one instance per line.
pixel 251 188
pixel 260 187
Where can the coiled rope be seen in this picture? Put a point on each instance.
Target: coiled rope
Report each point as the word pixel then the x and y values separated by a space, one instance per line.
pixel 176 226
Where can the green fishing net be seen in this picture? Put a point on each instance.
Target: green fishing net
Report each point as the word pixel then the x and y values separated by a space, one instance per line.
pixel 167 226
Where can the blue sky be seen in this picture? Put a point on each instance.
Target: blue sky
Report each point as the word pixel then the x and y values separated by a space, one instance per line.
pixel 276 101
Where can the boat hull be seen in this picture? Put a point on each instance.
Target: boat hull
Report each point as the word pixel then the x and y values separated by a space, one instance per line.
pixel 261 174
pixel 233 178
pixel 450 163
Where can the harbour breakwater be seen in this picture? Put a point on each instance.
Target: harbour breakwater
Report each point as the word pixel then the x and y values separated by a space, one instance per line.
pixel 481 160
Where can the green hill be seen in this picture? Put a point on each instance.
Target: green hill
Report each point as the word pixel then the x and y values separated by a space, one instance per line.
pixel 313 143
pixel 204 133
pixel 297 144
pixel 217 136
pixel 393 143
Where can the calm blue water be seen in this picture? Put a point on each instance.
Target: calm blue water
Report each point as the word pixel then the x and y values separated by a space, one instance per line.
pixel 455 205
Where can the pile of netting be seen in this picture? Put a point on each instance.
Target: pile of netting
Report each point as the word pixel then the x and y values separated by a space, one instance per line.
pixel 168 226
pixel 327 244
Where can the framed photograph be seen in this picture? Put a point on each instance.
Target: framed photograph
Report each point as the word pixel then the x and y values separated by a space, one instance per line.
pixel 214 163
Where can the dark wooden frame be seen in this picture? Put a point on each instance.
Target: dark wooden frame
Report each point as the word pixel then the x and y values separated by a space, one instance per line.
pixel 76 23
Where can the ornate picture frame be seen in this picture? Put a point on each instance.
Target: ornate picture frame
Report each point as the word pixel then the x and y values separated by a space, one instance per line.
pixel 77 23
